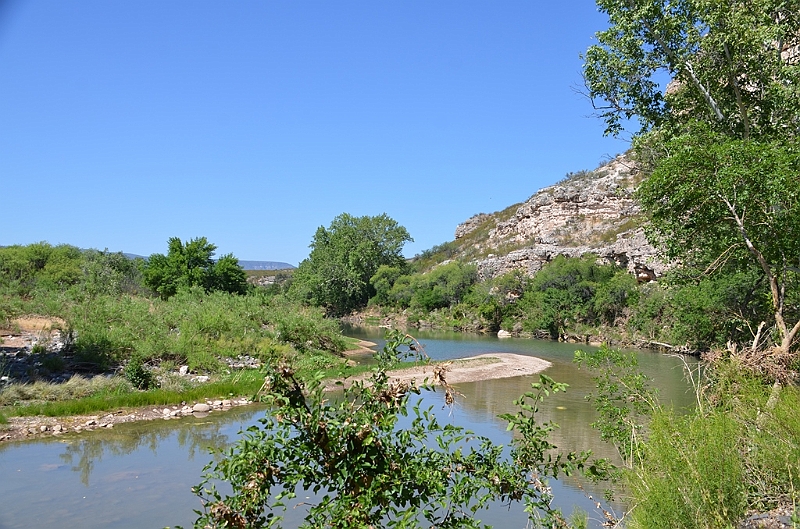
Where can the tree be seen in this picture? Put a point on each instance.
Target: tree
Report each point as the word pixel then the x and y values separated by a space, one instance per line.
pixel 717 202
pixel 192 264
pixel 721 144
pixel 344 257
pixel 732 64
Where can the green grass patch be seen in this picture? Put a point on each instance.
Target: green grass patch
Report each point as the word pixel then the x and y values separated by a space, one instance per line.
pixel 692 474
pixel 246 383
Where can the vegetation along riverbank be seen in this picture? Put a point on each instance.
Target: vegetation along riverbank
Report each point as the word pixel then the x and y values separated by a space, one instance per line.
pixel 690 241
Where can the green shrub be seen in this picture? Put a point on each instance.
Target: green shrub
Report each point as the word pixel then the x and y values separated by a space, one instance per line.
pixel 137 374
pixel 691 475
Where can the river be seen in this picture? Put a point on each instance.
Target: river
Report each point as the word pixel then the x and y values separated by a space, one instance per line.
pixel 140 475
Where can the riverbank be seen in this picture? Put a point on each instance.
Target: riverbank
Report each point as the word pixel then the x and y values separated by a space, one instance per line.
pixel 20 428
pixel 587 335
pixel 481 367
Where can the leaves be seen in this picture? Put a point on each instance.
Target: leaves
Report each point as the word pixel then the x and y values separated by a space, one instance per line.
pixel 368 471
pixel 344 257
pixel 725 59
pixel 191 265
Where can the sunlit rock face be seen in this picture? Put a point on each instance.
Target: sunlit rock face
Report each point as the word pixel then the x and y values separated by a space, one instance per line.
pixel 588 212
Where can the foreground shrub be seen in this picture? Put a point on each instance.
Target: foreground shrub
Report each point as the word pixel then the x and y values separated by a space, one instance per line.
pixel 691 474
pixel 373 472
pixel 738 450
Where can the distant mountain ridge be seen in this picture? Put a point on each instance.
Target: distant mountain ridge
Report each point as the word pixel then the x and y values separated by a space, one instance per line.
pixel 247 265
pixel 265 265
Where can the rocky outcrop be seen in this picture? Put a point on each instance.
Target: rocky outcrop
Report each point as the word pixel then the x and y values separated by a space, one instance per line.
pixel 589 212
pixel 469 225
pixel 630 250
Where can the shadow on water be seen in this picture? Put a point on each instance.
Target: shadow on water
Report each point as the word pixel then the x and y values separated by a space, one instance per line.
pixel 141 474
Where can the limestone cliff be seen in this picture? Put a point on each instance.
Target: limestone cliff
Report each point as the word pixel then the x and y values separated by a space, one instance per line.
pixel 590 211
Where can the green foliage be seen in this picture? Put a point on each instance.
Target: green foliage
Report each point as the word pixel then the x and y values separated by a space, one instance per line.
pixel 136 373
pixel 77 387
pixel 725 57
pixel 383 281
pixel 691 473
pixel 24 268
pixel 623 399
pixel 109 273
pixel 696 194
pixel 343 259
pixel 703 468
pixel 369 471
pixel 723 194
pixel 444 286
pixel 307 330
pixel 701 313
pixel 563 293
pixel 191 265
pixel 102 394
pixel 732 205
pixel 191 328
pixel 613 297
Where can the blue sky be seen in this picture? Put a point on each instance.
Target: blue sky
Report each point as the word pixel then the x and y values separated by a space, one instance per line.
pixel 252 123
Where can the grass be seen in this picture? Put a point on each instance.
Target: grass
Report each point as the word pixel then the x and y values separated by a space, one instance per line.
pixel 692 474
pixel 75 388
pixel 246 383
pixel 704 470
pixel 87 396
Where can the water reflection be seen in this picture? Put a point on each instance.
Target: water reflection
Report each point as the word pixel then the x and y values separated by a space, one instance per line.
pixel 192 435
pixel 134 475
pixel 141 474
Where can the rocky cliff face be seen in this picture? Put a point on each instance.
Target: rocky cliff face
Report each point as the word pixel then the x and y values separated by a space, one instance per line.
pixel 589 212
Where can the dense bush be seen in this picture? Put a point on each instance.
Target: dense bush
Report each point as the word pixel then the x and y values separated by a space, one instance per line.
pixel 109 321
pixel 737 450
pixel 565 292
pixel 191 265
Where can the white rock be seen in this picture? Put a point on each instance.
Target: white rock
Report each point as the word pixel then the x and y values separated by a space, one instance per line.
pixel 201 407
pixel 183 370
pixel 166 411
pixel 503 334
pixel 201 378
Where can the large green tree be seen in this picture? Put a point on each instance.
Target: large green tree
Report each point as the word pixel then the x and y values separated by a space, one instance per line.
pixel 721 142
pixel 731 204
pixel 735 65
pixel 192 264
pixel 336 275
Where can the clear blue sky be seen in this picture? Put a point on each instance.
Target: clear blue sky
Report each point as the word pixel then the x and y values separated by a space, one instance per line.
pixel 123 123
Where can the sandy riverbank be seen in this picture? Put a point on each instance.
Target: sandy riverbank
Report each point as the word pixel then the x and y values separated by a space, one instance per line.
pixel 482 367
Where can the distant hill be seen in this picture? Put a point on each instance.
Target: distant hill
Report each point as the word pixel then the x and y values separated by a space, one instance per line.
pixel 265 265
pixel 247 265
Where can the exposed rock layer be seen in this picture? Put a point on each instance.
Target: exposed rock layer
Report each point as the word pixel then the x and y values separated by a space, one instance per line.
pixel 589 212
